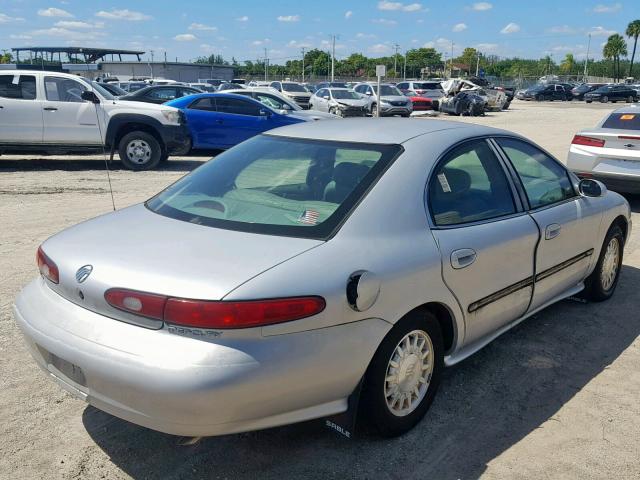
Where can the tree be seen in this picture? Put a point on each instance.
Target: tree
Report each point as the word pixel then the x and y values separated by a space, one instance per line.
pixel 212 60
pixel 633 31
pixel 568 64
pixel 419 58
pixel 6 57
pixel 615 48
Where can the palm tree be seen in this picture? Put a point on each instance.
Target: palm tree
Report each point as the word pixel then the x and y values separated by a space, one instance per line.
pixel 568 63
pixel 615 48
pixel 633 31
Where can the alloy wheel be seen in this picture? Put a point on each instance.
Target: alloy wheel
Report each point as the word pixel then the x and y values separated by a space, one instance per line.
pixel 610 263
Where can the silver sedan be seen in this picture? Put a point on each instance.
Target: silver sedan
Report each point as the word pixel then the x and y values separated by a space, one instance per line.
pixel 266 286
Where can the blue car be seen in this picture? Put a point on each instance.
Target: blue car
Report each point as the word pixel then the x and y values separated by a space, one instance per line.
pixel 222 120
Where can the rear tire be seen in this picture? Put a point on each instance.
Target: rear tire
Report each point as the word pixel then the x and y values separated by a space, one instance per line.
pixel 604 99
pixel 630 99
pixel 403 377
pixel 139 151
pixel 602 282
pixel 374 110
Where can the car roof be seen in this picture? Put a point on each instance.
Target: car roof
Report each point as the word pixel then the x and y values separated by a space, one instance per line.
pixel 390 131
pixel 634 108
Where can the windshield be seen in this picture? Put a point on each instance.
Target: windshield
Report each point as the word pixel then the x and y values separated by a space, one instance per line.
pixel 277 186
pixel 274 102
pixel 344 95
pixel 427 86
pixel 102 91
pixel 387 90
pixel 293 87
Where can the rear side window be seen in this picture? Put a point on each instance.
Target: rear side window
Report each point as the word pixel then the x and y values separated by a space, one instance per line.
pixel 206 103
pixel 20 87
pixel 468 186
pixel 623 121
pixel 545 181
pixel 237 107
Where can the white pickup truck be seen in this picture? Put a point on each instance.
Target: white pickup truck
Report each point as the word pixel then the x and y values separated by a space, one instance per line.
pixel 53 112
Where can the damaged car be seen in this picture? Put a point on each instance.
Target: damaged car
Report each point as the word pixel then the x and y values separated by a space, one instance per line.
pixel 339 101
pixel 495 99
pixel 463 103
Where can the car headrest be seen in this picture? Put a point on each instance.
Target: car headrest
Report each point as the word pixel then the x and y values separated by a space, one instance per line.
pixel 347 173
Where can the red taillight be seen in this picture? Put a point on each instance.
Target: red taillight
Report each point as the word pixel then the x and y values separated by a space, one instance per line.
pixel 47 267
pixel 203 314
pixel 628 137
pixel 140 303
pixel 587 141
pixel 214 314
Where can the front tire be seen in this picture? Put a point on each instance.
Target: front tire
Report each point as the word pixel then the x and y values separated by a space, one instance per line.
pixel 139 151
pixel 403 377
pixel 604 99
pixel 602 282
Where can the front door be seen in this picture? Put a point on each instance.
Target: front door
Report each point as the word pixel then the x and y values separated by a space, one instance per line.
pixel 240 119
pixel 20 110
pixel 67 118
pixel 567 221
pixel 486 240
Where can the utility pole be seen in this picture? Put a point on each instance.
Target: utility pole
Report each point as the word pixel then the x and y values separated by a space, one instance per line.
pixel 586 61
pixel 302 64
pixel 404 69
pixel 477 62
pixel 266 67
pixel 333 56
pixel 151 64
pixel 395 60
pixel 451 63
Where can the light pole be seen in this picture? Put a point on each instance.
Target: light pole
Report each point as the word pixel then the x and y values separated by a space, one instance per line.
pixel 302 64
pixel 333 56
pixel 395 60
pixel 404 69
pixel 586 61
pixel 266 63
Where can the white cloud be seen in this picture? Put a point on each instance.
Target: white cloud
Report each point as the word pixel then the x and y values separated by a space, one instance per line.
pixel 78 24
pixel 601 32
pixel 459 27
pixel 7 19
pixel 20 36
pixel 202 27
pixel 348 14
pixel 482 6
pixel 128 15
pixel 398 6
pixel 510 28
pixel 66 33
pixel 613 8
pixel 562 29
pixel 384 21
pixel 380 48
pixel 487 47
pixel 429 45
pixel 185 37
pixel 297 44
pixel 257 43
pixel 54 12
pixel 365 35
pixel 289 18
pixel 244 18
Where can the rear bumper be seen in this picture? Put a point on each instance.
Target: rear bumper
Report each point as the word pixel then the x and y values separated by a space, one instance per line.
pixel 191 386
pixel 616 183
pixel 618 173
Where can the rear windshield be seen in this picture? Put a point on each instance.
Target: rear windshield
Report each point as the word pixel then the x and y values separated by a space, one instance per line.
pixel 277 186
pixel 293 87
pixel 428 85
pixel 623 121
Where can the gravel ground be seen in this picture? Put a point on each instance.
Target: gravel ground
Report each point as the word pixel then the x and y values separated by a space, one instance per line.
pixel 556 397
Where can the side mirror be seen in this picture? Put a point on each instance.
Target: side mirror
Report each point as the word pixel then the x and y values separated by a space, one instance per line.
pixel 326 97
pixel 369 94
pixel 265 113
pixel 592 188
pixel 283 111
pixel 89 96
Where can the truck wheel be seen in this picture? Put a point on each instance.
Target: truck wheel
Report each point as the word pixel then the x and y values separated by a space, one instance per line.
pixel 139 151
pixel 403 376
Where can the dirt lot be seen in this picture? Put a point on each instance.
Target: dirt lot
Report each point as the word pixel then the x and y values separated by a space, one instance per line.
pixel 557 397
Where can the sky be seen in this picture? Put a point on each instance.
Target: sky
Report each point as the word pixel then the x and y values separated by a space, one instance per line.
pixel 244 28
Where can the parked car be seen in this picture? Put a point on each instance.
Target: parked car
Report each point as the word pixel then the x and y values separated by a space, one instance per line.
pixel 392 102
pixel 330 85
pixel 275 100
pixel 420 103
pixel 339 101
pixel 215 82
pixel 222 120
pixel 463 103
pixel 229 86
pixel 113 88
pixel 549 92
pixel 258 83
pixel 203 87
pixel 432 90
pixel 494 99
pixel 610 152
pixel 131 87
pixel 265 287
pixel 53 112
pixel 295 91
pixel 159 93
pixel 579 91
pixel 612 93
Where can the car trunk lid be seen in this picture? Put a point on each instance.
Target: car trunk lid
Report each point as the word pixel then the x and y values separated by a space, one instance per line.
pixel 137 249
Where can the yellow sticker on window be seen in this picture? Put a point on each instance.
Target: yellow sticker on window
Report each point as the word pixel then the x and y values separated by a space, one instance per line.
pixel 627 117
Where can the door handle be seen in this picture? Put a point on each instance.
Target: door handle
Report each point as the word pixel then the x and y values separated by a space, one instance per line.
pixel 463 258
pixel 219 122
pixel 552 231
pixel 50 109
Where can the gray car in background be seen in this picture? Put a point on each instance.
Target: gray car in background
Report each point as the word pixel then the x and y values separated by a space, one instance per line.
pixel 340 101
pixel 391 102
pixel 268 285
pixel 295 91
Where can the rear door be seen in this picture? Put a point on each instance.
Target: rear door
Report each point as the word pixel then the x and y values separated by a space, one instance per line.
pixel 20 110
pixel 567 221
pixel 67 118
pixel 239 119
pixel 320 103
pixel 486 240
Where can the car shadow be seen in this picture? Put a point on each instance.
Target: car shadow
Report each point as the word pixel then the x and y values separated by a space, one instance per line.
pixel 79 164
pixel 485 405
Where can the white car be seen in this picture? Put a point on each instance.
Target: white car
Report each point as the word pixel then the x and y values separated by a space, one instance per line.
pixel 295 91
pixel 610 152
pixel 274 99
pixel 55 112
